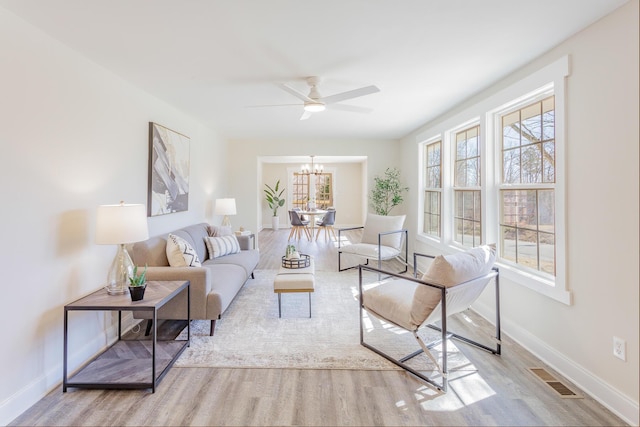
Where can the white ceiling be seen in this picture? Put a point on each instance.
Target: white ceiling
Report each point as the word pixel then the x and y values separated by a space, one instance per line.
pixel 214 58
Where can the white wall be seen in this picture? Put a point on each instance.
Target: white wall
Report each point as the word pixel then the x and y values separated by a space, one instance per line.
pixel 602 199
pixel 245 173
pixel 73 136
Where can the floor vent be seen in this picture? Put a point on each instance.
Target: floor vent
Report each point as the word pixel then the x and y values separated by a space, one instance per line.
pixel 558 386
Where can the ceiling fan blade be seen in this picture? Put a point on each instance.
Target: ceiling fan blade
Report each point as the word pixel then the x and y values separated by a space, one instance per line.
pixel 294 92
pixel 273 105
pixel 350 108
pixel 305 115
pixel 367 90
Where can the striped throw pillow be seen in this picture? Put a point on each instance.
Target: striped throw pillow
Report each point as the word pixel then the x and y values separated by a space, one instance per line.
pixel 221 246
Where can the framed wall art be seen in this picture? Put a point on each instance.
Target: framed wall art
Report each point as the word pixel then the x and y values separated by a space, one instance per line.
pixel 168 190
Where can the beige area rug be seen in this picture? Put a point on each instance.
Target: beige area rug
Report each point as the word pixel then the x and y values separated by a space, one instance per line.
pixel 250 334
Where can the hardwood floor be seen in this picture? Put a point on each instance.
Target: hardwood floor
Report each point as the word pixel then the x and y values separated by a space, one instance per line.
pixel 501 392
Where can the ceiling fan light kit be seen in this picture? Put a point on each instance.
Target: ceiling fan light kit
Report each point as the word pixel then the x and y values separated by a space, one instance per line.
pixel 314 107
pixel 315 103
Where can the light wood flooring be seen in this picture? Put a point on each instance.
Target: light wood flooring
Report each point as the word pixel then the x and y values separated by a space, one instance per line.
pixel 501 392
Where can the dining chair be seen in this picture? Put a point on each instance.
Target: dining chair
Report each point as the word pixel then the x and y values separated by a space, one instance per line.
pixel 297 226
pixel 326 223
pixel 303 218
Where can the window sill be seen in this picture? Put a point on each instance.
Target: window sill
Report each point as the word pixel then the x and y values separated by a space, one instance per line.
pixel 538 284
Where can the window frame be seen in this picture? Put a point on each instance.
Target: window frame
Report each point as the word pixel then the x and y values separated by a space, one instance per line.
pixel 464 189
pixel 537 96
pixel 424 167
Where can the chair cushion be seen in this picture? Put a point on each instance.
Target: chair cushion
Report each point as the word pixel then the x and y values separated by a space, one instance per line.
pixel 370 251
pixel 221 246
pixel 451 270
pixel 376 224
pixel 408 304
pixel 393 301
pixel 180 253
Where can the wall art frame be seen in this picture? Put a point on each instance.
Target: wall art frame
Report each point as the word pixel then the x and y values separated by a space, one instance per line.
pixel 169 163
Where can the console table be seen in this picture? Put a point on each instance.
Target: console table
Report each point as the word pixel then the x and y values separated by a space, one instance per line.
pixel 128 364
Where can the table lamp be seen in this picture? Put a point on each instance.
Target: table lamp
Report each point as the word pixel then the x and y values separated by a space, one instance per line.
pixel 225 207
pixel 119 225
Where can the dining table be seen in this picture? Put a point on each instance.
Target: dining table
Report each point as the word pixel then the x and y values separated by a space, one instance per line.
pixel 312 213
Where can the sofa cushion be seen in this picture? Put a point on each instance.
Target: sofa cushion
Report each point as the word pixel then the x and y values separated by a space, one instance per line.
pixel 219 230
pixel 193 234
pixel 247 259
pixel 180 253
pixel 221 246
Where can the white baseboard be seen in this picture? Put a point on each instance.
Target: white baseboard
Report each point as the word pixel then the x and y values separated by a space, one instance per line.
pixel 617 402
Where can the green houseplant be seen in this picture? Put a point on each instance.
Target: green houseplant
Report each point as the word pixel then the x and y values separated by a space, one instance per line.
pixel 275 200
pixel 387 192
pixel 137 284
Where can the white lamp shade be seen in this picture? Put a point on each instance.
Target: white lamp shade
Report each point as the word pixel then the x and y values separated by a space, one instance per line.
pixel 225 207
pixel 119 224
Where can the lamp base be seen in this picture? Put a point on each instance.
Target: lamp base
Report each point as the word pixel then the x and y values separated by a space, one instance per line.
pixel 226 222
pixel 119 273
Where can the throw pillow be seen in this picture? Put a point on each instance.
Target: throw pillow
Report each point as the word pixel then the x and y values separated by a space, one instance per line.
pixel 221 246
pixel 219 230
pixel 180 253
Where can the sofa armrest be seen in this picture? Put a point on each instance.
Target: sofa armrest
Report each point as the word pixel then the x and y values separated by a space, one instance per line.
pixel 246 242
pixel 198 276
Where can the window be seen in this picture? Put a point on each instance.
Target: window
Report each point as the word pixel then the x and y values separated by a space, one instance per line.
pixel 300 192
pixel 467 201
pixel 492 173
pixel 527 207
pixel 322 194
pixel 433 189
pixel 324 190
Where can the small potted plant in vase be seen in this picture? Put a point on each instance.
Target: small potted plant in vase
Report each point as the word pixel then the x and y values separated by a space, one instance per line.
pixel 137 284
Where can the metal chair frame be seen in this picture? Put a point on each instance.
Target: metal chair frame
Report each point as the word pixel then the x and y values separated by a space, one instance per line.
pixel 444 333
pixel 380 235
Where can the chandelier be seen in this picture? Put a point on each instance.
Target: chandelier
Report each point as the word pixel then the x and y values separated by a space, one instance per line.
pixel 314 169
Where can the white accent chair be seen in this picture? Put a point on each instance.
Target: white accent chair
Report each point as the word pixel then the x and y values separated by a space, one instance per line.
pixel 383 238
pixel 450 285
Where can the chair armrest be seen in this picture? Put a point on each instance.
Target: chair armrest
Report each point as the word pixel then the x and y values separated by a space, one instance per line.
pixel 340 230
pixel 406 236
pixel 415 261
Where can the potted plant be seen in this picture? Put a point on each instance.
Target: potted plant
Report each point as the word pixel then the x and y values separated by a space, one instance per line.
pixel 275 201
pixel 387 192
pixel 137 284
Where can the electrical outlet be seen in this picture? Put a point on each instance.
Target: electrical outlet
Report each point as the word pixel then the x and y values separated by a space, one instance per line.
pixel 620 348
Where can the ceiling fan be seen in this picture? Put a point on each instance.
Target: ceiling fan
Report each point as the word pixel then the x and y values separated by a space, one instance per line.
pixel 315 103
